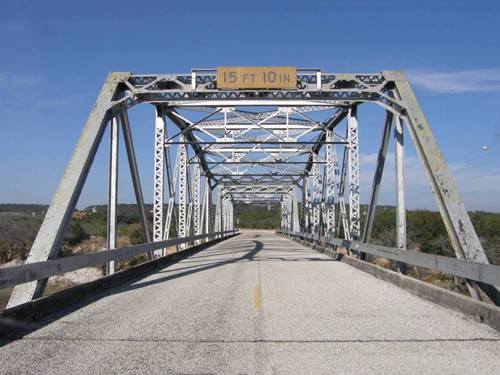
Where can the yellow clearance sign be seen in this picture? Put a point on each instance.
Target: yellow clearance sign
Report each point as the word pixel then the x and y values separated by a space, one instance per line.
pixel 258 77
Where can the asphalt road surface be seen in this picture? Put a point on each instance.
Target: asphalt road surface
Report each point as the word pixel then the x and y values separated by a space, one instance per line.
pixel 257 304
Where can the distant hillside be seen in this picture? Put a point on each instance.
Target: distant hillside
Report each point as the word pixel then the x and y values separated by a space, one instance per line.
pixel 425 229
pixel 37 209
pixel 17 233
pixel 257 216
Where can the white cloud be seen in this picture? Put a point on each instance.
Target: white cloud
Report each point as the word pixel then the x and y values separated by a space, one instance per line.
pixel 456 82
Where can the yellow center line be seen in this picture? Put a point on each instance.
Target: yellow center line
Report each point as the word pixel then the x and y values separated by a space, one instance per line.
pixel 256 297
pixel 257 291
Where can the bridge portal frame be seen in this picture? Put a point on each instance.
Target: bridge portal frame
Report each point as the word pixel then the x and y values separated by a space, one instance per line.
pixel 315 91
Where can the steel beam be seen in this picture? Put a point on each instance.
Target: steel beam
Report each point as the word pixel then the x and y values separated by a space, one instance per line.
pixel 463 237
pixel 353 170
pixel 334 120
pixel 159 181
pixel 49 238
pixel 400 189
pixel 183 191
pixel 134 172
pixel 295 211
pixel 114 132
pixel 210 213
pixel 377 177
pixel 218 210
pixel 316 198
pixel 304 221
pixel 196 199
pixel 172 183
pixel 183 124
pixel 330 177
pixel 342 211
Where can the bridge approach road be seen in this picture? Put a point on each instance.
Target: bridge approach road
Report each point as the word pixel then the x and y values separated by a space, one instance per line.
pixel 257 303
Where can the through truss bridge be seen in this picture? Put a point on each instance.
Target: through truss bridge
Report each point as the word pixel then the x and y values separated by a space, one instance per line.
pixel 284 138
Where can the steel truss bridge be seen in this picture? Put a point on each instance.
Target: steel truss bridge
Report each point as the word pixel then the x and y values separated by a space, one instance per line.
pixel 295 148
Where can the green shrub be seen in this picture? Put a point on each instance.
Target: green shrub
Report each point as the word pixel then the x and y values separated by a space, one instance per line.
pixel 75 234
pixel 135 234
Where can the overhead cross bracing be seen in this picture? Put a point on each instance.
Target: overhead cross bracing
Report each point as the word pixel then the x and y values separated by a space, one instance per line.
pixel 296 147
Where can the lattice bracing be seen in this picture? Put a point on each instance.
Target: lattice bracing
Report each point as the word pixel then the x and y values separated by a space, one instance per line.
pixel 158 183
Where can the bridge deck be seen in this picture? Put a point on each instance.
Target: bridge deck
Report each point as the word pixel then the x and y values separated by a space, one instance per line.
pixel 257 303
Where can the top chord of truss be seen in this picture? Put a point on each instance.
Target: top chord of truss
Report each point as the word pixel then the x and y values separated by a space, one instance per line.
pixel 314 90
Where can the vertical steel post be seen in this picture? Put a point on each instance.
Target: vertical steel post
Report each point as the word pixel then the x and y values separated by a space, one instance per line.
pixel 353 166
pixel 196 198
pixel 219 218
pixel 286 212
pixel 283 214
pixel 295 212
pixel 330 186
pixel 209 221
pixel 225 216
pixel 172 182
pixel 218 210
pixel 182 231
pixel 400 189
pixel 114 132
pixel 316 199
pixel 203 197
pixel 223 213
pixel 134 172
pixel 303 220
pixel 342 211
pixel 211 210
pixel 231 215
pixel 189 203
pixel 377 177
pixel 158 183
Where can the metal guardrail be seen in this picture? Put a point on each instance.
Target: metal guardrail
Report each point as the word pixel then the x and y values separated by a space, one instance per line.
pixel 11 276
pixel 482 272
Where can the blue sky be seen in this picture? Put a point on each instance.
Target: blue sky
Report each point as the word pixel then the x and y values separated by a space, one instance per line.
pixel 54 56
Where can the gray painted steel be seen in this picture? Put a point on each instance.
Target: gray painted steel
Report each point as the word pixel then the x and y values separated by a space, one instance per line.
pixel 460 230
pixel 49 238
pixel 134 172
pixel 114 130
pixel 399 163
pixel 377 177
pixel 457 222
pixel 255 147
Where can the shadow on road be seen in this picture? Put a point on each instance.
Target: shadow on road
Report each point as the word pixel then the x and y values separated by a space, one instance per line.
pixel 11 330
